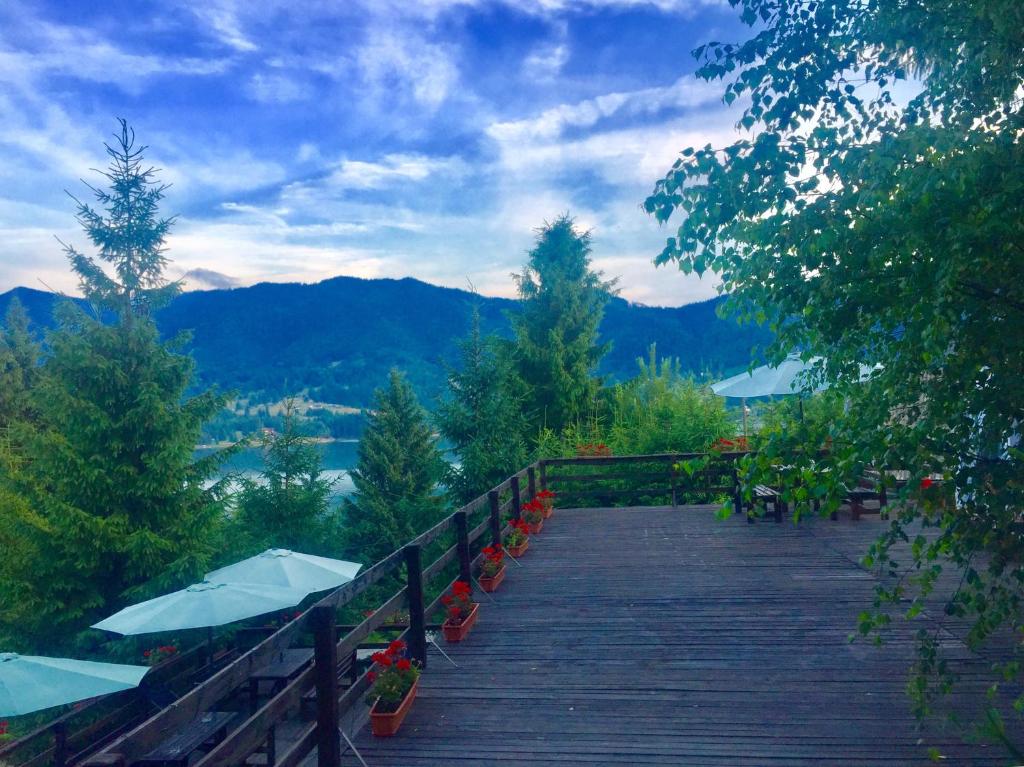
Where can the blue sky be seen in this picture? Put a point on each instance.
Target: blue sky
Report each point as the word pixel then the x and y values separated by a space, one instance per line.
pixel 374 138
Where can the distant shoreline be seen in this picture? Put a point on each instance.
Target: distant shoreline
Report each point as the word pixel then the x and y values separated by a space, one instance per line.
pixel 318 440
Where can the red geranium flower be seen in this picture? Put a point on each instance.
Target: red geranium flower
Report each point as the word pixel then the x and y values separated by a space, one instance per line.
pixel 396 646
pixel 926 483
pixel 372 676
pixel 403 665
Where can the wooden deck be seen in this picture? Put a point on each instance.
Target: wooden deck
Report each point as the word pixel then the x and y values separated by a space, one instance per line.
pixel 653 636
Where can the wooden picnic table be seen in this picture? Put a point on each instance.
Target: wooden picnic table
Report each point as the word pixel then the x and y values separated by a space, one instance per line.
pixel 287 666
pixel 209 728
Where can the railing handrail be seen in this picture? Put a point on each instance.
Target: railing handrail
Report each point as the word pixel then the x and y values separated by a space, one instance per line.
pixel 148 734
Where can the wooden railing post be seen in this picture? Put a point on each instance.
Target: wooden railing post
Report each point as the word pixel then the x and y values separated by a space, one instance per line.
pixel 417 636
pixel 543 476
pixel 517 501
pixel 462 542
pixel 325 664
pixel 60 744
pixel 531 482
pixel 492 497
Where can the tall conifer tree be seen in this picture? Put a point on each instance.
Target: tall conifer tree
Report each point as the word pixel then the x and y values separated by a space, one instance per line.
pixel 557 330
pixel 483 416
pixel 118 505
pixel 396 495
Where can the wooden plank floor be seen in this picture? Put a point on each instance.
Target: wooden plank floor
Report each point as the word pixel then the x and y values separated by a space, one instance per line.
pixel 652 636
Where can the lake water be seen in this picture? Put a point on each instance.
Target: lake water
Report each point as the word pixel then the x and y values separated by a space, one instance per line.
pixel 338 458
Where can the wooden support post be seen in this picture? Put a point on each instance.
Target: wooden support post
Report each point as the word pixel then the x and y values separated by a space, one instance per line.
pixel 272 746
pixel 495 504
pixel 462 542
pixel 60 744
pixel 417 636
pixel 672 474
pixel 737 491
pixel 543 476
pixel 517 501
pixel 531 482
pixel 325 665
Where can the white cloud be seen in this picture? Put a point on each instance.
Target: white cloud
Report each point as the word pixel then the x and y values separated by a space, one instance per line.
pixel 79 53
pixel 277 88
pixel 686 92
pixel 404 63
pixel 392 168
pixel 546 62
pixel 223 19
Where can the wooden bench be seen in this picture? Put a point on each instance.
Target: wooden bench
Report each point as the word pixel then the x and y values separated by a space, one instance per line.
pixel 205 730
pixel 765 494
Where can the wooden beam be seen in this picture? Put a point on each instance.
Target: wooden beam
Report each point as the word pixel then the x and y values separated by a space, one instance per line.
pixel 417 635
pixel 325 667
pixel 462 534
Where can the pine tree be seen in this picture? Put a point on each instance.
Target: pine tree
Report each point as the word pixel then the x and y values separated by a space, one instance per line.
pixel 396 478
pixel 556 333
pixel 118 506
pixel 483 416
pixel 289 505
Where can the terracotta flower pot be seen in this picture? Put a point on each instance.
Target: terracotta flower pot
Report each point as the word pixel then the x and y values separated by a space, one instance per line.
pixel 548 510
pixel 535 527
pixel 492 583
pixel 386 724
pixel 518 551
pixel 456 632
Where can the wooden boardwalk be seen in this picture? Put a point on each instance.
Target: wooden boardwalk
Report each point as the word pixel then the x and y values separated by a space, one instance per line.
pixel 653 636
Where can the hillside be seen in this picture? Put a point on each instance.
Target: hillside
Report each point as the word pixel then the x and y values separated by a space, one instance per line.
pixel 338 338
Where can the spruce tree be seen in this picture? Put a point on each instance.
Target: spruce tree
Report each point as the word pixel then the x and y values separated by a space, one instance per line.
pixel 288 506
pixel 556 332
pixel 399 466
pixel 118 507
pixel 483 416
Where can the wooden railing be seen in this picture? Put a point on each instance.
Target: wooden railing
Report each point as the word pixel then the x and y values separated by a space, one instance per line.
pixel 672 477
pixel 454 542
pixel 421 587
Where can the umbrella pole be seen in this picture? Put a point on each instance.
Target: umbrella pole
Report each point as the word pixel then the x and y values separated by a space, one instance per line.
pixel 743 404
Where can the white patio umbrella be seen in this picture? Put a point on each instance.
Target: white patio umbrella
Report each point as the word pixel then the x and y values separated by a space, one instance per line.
pixel 288 569
pixel 767 381
pixel 202 605
pixel 31 683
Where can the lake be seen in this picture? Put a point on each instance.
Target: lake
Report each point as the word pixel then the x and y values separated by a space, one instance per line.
pixel 338 458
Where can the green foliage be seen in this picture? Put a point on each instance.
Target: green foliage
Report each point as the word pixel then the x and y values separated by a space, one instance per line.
pixel 288 505
pixel 875 233
pixel 101 501
pixel 660 411
pixel 556 332
pixel 19 366
pixel 115 500
pixel 396 479
pixel 482 419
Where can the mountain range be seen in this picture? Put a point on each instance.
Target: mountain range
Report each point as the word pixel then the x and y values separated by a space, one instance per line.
pixel 337 339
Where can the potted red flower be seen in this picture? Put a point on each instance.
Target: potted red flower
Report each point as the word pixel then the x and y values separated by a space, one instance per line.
pixel 492 571
pixel 394 689
pixel 461 612
pixel 547 502
pixel 157 655
pixel 533 515
pixel 518 539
